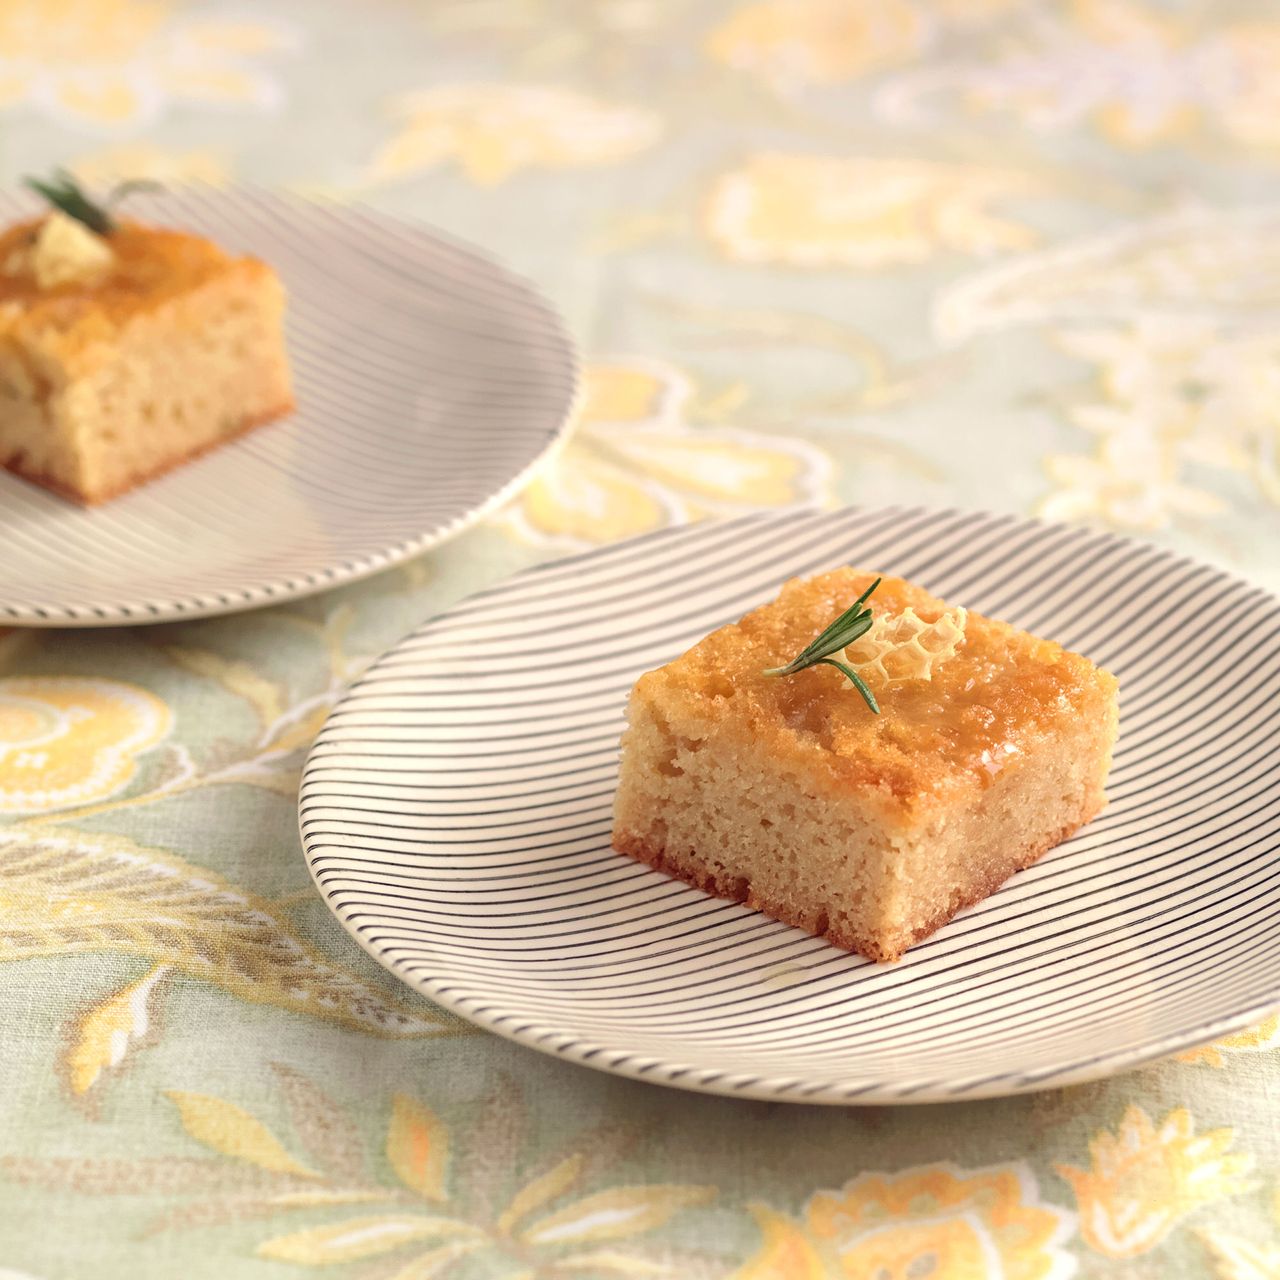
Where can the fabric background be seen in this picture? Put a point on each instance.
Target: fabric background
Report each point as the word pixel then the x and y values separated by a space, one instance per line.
pixel 992 253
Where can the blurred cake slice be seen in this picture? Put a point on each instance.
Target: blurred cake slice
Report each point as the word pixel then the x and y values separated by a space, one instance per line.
pixel 126 352
pixel 789 794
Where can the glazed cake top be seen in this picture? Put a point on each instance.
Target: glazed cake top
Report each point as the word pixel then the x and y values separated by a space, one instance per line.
pixel 151 265
pixel 1002 695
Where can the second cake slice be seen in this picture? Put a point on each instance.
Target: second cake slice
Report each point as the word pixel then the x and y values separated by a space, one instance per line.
pixel 128 352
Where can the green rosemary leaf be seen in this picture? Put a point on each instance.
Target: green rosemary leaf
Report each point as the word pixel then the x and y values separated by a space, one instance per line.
pixel 854 622
pixel 834 637
pixel 858 626
pixel 866 595
pixel 131 186
pixel 844 631
pixel 858 682
pixel 63 192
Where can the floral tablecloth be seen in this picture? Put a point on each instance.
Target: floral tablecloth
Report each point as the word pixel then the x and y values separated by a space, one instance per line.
pixel 997 253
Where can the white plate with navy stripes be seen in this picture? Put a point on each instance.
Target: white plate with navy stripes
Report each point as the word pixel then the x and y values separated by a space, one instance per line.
pixel 429 380
pixel 455 813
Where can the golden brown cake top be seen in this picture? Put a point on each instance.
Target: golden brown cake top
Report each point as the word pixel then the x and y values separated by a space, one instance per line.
pixel 999 696
pixel 151 265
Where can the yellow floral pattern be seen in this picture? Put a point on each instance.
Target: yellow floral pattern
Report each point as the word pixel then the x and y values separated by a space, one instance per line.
pixel 790 43
pixel 1236 1258
pixel 110 1029
pixel 786 1252
pixel 66 740
pixel 553 1221
pixel 115 63
pixel 1145 1178
pixel 494 131
pixel 934 1221
pixel 1140 74
pixel 636 463
pixel 1170 318
pixel 69 893
pixel 1179 399
pixel 1262 1038
pixel 827 211
pixel 1012 254
pixel 1194 265
pixel 101 169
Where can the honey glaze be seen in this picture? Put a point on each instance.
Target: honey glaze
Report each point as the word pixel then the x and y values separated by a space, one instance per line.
pixel 994 697
pixel 148 266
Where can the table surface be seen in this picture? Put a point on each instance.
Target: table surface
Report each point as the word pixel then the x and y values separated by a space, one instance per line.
pixel 991 253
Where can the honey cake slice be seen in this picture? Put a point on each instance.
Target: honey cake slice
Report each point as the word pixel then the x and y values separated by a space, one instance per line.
pixel 126 353
pixel 790 794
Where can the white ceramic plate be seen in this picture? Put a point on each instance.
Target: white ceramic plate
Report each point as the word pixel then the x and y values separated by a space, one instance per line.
pixel 456 811
pixel 429 383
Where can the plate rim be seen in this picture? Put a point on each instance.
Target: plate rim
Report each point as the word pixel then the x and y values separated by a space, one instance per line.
pixel 684 1077
pixel 100 614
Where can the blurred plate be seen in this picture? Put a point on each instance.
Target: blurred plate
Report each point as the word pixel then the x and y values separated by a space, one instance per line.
pixel 430 381
pixel 455 814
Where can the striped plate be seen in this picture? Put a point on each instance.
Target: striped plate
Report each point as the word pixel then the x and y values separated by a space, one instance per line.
pixel 429 383
pixel 455 813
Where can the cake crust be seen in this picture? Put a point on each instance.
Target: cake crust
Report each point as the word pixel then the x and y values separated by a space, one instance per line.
pixel 819 924
pixel 51 482
pixel 152 266
pixel 938 742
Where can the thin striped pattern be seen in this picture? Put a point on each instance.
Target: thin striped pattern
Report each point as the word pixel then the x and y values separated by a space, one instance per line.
pixel 430 382
pixel 455 813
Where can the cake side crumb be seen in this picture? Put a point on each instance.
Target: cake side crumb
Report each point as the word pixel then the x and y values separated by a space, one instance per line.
pixel 134 480
pixel 816 924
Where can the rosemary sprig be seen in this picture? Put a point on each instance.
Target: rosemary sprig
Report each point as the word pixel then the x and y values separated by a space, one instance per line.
pixel 855 621
pixel 65 193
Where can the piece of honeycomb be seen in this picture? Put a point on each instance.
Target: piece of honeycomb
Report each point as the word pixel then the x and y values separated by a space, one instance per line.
pixel 903 646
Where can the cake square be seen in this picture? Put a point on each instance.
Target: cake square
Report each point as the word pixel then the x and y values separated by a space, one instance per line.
pixel 125 354
pixel 871 830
